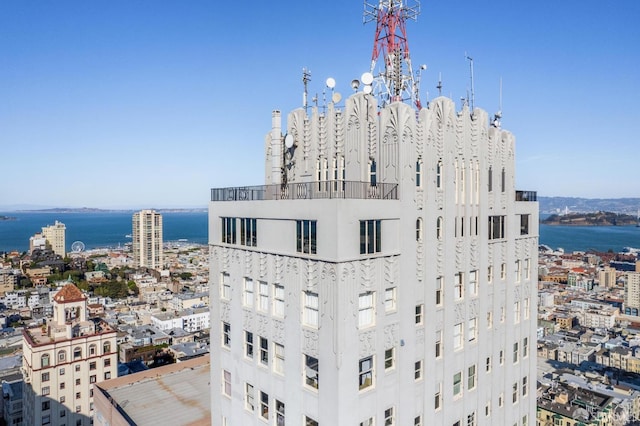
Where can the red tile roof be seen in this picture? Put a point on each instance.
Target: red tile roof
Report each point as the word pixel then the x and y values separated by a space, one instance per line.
pixel 69 293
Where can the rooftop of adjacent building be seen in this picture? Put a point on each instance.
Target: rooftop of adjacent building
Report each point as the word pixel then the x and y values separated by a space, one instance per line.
pixel 43 335
pixel 173 394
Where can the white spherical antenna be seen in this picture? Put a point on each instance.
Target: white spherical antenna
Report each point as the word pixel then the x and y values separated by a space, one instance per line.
pixel 336 97
pixel 367 89
pixel 355 84
pixel 77 246
pixel 331 83
pixel 367 78
pixel 288 140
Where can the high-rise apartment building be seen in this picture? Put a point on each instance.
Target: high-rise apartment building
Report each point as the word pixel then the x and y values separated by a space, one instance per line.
pixel 62 361
pixel 384 274
pixel 607 277
pixel 632 294
pixel 55 237
pixel 147 239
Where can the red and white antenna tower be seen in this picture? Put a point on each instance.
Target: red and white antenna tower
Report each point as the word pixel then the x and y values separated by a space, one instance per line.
pixel 396 82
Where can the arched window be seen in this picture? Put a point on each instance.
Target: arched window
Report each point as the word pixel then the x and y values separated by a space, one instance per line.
pixel 77 353
pixel 44 360
pixel 62 356
pixel 419 229
pixel 92 350
pixel 439 228
pixel 106 348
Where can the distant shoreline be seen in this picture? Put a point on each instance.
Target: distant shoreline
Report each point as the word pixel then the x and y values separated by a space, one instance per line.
pixel 92 210
pixel 7 218
pixel 591 219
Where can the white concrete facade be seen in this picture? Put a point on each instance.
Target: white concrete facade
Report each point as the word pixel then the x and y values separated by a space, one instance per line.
pixel 409 295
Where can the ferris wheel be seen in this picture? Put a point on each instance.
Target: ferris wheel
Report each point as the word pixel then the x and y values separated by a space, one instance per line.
pixel 77 246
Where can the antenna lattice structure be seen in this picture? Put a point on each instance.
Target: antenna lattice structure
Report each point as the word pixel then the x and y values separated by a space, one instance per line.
pixel 396 82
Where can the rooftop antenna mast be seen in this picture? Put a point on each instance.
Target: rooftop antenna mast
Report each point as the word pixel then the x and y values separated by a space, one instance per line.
pixel 306 78
pixel 498 115
pixel 439 86
pixel 396 82
pixel 470 59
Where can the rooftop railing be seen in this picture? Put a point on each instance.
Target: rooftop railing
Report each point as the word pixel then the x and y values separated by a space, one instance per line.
pixel 308 191
pixel 526 196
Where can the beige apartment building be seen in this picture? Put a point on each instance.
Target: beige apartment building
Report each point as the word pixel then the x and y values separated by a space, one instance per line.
pixel 55 237
pixel 147 239
pixel 63 359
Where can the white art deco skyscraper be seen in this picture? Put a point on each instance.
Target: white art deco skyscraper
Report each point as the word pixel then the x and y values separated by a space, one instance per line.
pixel 147 239
pixel 384 274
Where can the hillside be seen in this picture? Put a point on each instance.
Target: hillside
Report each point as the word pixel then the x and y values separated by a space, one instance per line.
pixel 591 219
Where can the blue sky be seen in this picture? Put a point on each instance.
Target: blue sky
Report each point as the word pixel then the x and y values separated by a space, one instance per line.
pixel 131 104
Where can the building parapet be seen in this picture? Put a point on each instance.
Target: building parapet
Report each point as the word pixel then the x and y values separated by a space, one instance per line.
pixel 308 191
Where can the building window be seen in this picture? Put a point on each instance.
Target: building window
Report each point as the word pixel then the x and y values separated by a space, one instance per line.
pixel 439 228
pixel 503 180
pixel 107 362
pixel 226 334
pixel 263 296
pixel 248 292
pixel 471 419
pixel 62 356
pixel 525 347
pixel 44 360
pixel 516 312
pixel 62 399
pixel 526 308
pixel 417 421
pixel 473 283
pixel 226 386
pixel 264 351
pixel 501 354
pixel 310 309
pixel 92 350
pixel 419 173
pixel 373 172
pixel 500 399
pixel 306 231
pixel 439 170
pixel 311 371
pixel 496 227
pixel 487 408
pixel 229 230
pixel 365 369
pixel 369 422
pixel 63 413
pixel 458 336
pixel 389 417
pixel 370 236
pixel 278 358
pixel 439 291
pixel 46 405
pixel 503 271
pixel 77 353
pixel 389 359
pixel 489 319
pixel 458 289
pixel 308 421
pixel 77 382
pixel 524 224
pixel 62 385
pixel 490 179
pixel 107 375
pixel 225 286
pixel 457 384
pixel 248 344
pixel 488 365
pixel 279 413
pixel 419 314
pixel 92 365
pixel 264 405
pixel 248 232
pixel 471 377
pixel 92 378
pixel 473 330
pixel 366 309
pixel 518 276
pixel 417 370
pixel 390 299
pixel 490 274
pixel 77 367
pixel 46 420
pixel 438 397
pixel 514 393
pixel 78 409
pixel 106 348
pixel 278 300
pixel 78 395
pixel 419 229
pixel 45 390
pixel 438 343
pixel 45 377
pixel 248 396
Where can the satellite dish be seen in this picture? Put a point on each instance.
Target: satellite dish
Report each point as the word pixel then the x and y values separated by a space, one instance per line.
pixel 355 84
pixel 331 83
pixel 288 140
pixel 367 78
pixel 77 246
pixel 336 97
pixel 367 89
